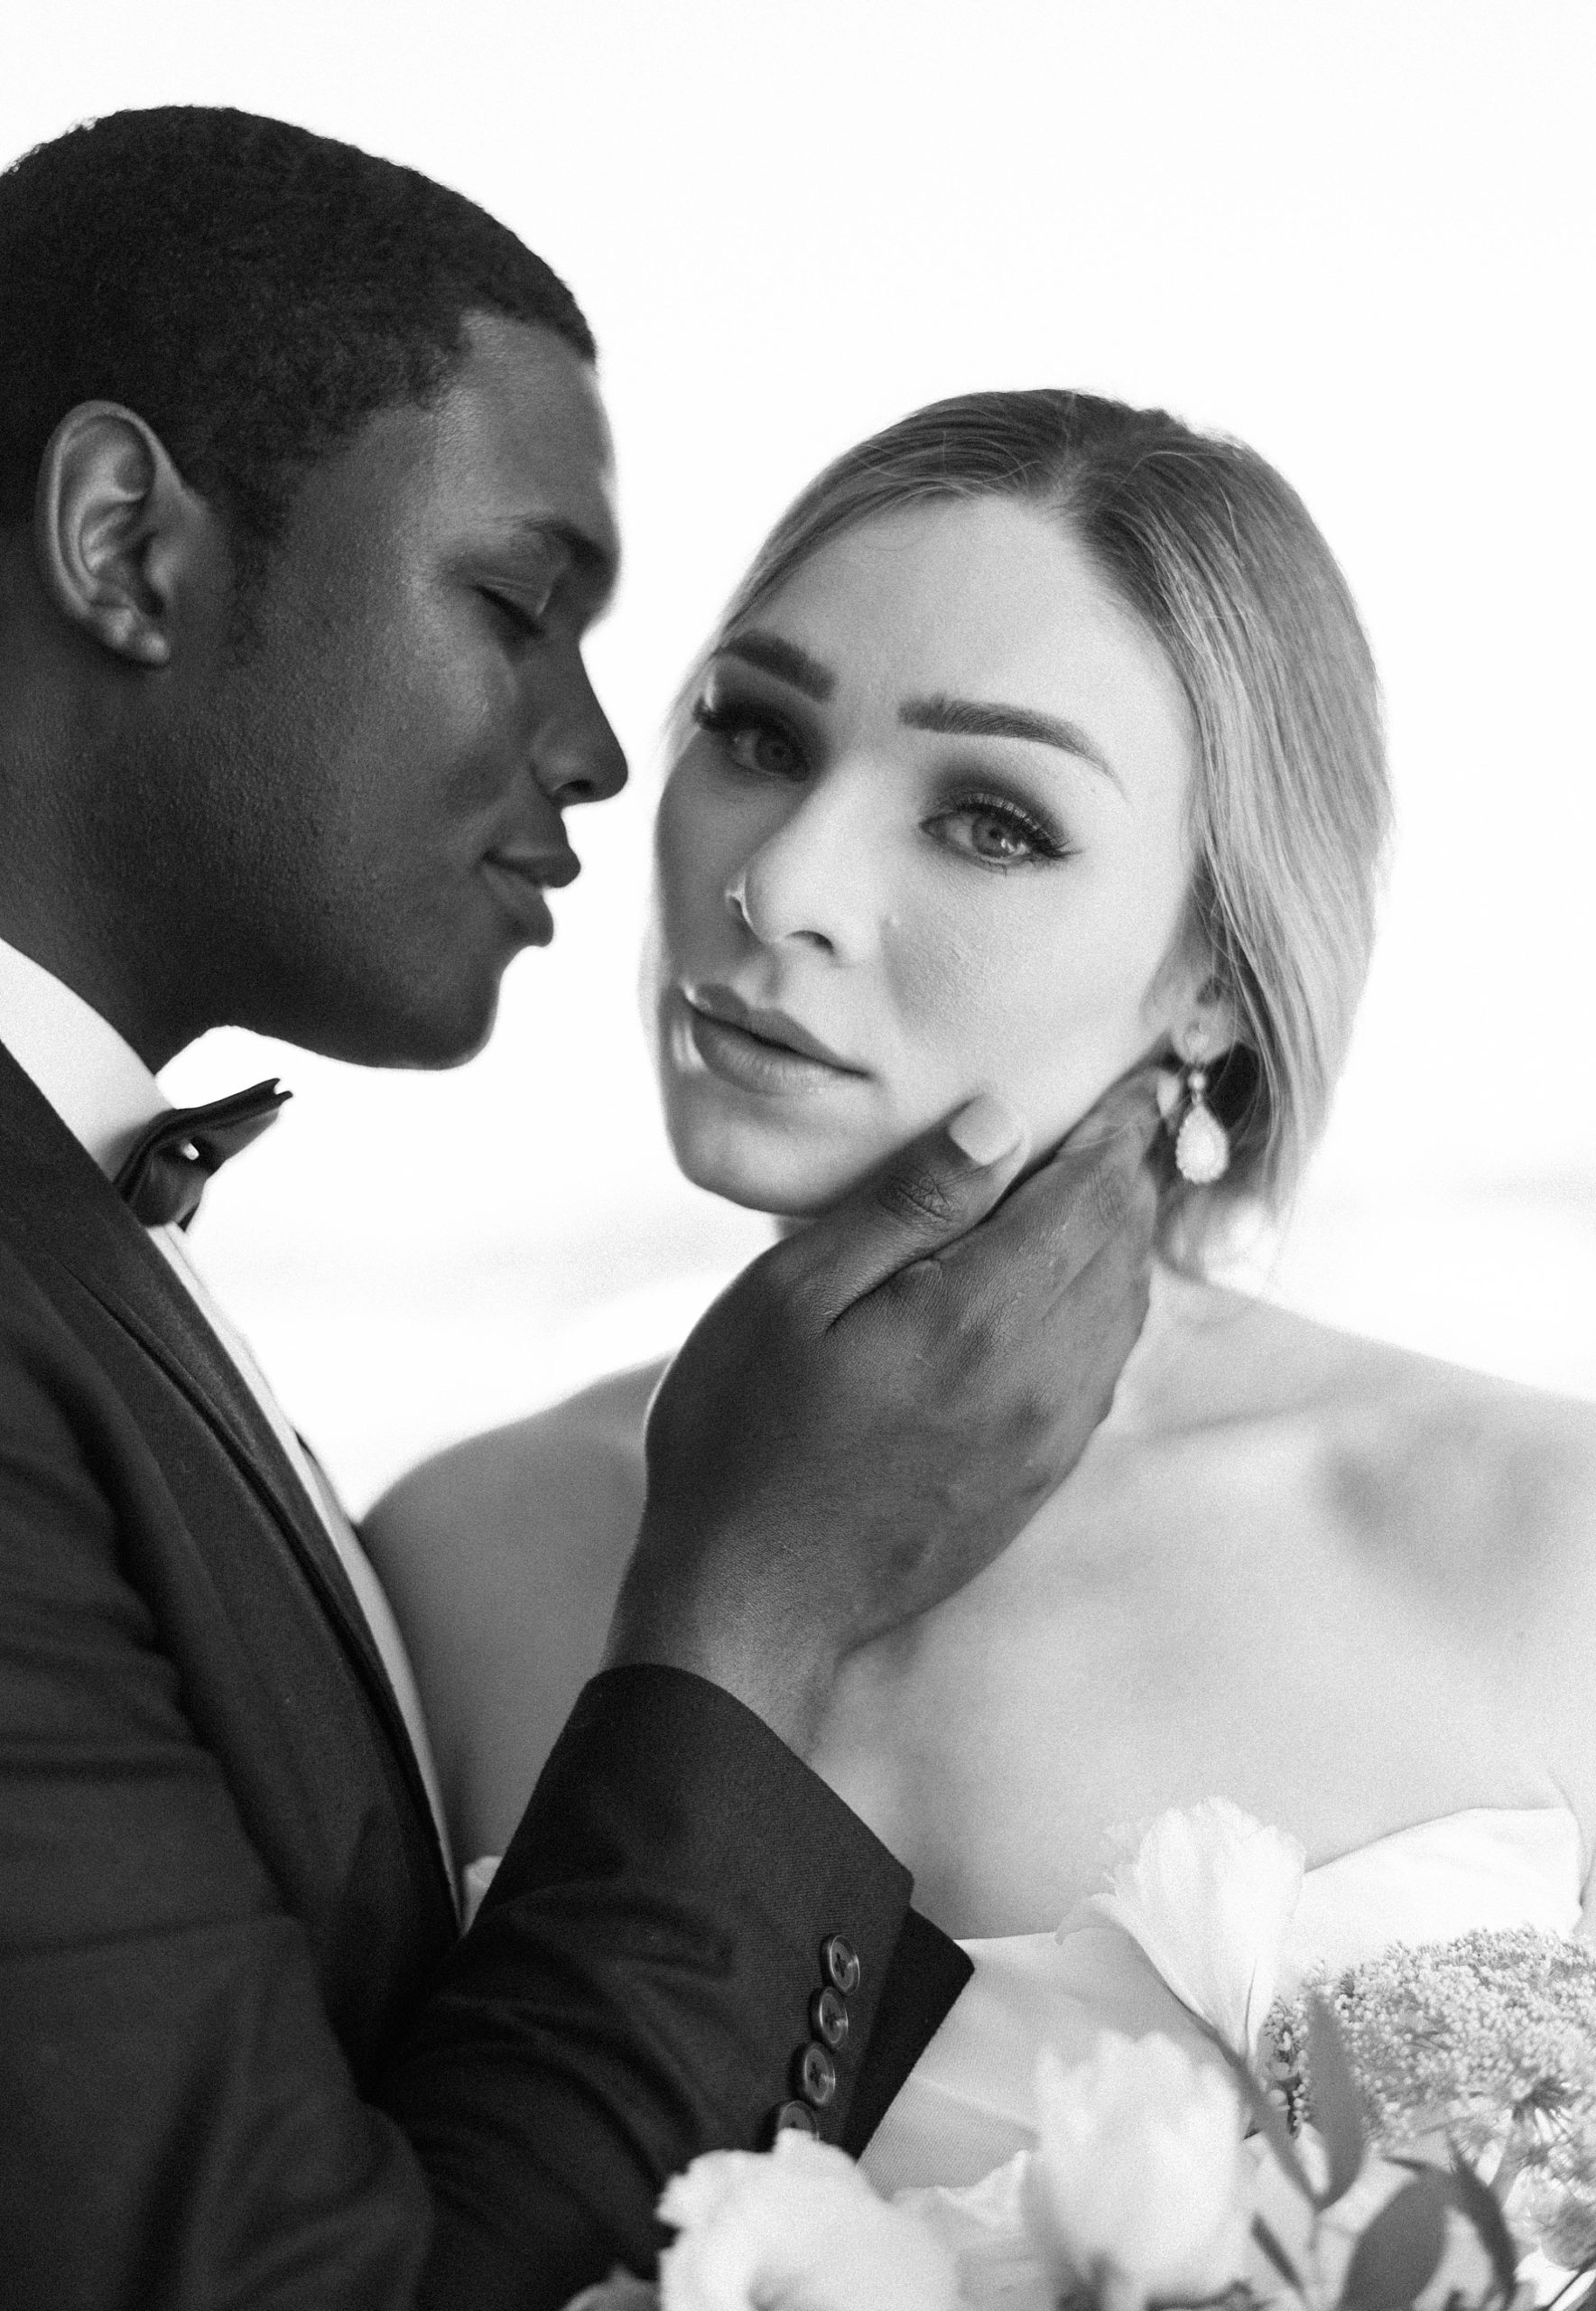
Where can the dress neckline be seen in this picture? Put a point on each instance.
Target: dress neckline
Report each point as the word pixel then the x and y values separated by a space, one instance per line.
pixel 1530 1818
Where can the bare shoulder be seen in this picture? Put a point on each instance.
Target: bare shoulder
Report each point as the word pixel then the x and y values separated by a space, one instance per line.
pixel 523 1483
pixel 1480 1490
pixel 1467 1500
pixel 1255 1353
pixel 502 1557
pixel 1523 1458
pixel 1445 1468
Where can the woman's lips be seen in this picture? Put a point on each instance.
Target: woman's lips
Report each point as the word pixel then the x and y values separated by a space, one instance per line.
pixel 755 1063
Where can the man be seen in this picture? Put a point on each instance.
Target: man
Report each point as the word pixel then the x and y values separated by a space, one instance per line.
pixel 305 513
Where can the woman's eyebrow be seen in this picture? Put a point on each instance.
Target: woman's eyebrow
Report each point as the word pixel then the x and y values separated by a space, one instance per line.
pixel 969 718
pixel 772 655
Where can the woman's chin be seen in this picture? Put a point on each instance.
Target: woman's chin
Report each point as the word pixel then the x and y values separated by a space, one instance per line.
pixel 789 1182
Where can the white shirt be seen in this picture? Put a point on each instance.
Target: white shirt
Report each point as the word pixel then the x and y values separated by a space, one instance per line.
pixel 105 1096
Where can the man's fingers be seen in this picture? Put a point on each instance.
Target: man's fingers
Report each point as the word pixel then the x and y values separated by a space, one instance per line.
pixel 986 1129
pixel 1108 1304
pixel 1097 1184
pixel 1127 1116
pixel 935 1192
pixel 1031 1255
pixel 931 1192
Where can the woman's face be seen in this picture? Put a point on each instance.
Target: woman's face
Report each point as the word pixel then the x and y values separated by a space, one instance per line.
pixel 927 837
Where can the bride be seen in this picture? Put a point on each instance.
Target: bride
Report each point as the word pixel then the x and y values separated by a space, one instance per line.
pixel 1040 740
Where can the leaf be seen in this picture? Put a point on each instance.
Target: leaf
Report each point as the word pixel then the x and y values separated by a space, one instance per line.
pixel 1335 2102
pixel 1478 2202
pixel 1276 2253
pixel 1270 2124
pixel 1400 2252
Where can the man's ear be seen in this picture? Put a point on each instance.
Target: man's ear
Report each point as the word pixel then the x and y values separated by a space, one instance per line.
pixel 116 531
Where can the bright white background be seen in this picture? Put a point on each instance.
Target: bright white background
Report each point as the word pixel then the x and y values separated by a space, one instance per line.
pixel 1359 232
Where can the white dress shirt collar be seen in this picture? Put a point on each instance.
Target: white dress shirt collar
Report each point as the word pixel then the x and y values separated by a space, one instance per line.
pixel 96 1083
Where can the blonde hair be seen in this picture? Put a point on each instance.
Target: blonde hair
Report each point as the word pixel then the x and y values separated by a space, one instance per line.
pixel 1290 807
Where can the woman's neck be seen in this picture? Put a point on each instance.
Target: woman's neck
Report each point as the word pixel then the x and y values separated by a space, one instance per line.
pixel 1170 1374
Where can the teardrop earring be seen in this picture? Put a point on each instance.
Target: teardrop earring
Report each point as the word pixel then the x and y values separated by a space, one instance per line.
pixel 1201 1145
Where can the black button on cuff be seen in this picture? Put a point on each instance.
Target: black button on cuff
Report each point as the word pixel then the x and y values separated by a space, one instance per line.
pixel 816 2075
pixel 828 2017
pixel 840 1961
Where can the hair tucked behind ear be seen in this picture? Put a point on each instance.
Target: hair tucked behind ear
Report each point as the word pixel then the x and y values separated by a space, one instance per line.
pixel 1290 808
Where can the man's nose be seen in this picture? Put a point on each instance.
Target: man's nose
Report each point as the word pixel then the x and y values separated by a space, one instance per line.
pixel 577 757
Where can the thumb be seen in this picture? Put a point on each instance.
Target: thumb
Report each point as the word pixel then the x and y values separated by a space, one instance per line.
pixel 1127 1116
pixel 930 1193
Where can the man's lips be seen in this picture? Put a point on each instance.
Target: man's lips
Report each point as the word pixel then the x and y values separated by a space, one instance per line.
pixel 550 870
pixel 519 878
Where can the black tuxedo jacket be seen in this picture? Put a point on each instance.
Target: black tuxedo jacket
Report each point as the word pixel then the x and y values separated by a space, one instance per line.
pixel 245 2058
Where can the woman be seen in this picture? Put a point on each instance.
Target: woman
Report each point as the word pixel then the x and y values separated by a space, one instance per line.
pixel 1040 740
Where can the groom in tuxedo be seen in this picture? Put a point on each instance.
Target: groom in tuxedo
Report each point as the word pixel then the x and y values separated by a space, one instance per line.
pixel 305 513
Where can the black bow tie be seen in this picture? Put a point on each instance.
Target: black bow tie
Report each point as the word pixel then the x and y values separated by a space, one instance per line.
pixel 164 1175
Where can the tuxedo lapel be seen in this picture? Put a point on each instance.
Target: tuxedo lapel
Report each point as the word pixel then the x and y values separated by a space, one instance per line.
pixel 181 1342
pixel 69 1214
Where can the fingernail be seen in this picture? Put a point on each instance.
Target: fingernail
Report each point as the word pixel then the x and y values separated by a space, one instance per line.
pixel 986 1129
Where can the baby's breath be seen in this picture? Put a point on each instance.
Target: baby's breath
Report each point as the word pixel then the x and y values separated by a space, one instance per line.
pixel 1488 2042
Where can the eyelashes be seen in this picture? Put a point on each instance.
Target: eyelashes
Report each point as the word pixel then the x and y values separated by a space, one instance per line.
pixel 744 730
pixel 982 825
pixel 527 623
pixel 994 821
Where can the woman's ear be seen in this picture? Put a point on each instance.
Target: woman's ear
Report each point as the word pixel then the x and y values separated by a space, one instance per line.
pixel 1209 1023
pixel 117 530
pixel 1202 1017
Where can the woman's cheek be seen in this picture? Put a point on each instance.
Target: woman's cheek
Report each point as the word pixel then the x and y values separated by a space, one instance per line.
pixel 1048 1028
pixel 691 875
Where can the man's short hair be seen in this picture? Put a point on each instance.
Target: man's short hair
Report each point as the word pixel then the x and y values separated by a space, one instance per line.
pixel 252 291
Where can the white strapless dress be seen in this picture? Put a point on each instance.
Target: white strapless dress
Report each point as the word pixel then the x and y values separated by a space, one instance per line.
pixel 967 2106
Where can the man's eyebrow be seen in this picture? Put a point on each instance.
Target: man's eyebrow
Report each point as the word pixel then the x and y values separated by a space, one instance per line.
pixel 969 718
pixel 772 655
pixel 595 562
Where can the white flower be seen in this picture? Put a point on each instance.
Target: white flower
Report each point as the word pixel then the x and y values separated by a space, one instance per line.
pixel 1208 1897
pixel 986 2227
pixel 795 2229
pixel 1139 2185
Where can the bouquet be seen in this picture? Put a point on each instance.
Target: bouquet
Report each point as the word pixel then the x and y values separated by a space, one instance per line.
pixel 1483 2048
pixel 1417 2131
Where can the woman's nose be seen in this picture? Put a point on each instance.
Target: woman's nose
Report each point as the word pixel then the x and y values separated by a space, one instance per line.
pixel 809 882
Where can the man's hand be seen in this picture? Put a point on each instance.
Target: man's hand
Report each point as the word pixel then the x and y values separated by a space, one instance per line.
pixel 874 1409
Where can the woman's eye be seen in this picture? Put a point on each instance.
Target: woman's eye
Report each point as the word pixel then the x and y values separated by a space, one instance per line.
pixel 750 742
pixel 997 834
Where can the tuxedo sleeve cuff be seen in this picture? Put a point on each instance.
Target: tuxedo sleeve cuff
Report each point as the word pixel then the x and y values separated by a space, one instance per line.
pixel 691 1940
pixel 927 1973
pixel 738 1862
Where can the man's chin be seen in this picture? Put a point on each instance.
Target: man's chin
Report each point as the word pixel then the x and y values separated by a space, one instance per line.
pixel 425 1033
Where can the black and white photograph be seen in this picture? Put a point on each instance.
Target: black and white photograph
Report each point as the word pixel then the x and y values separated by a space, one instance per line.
pixel 797 1155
